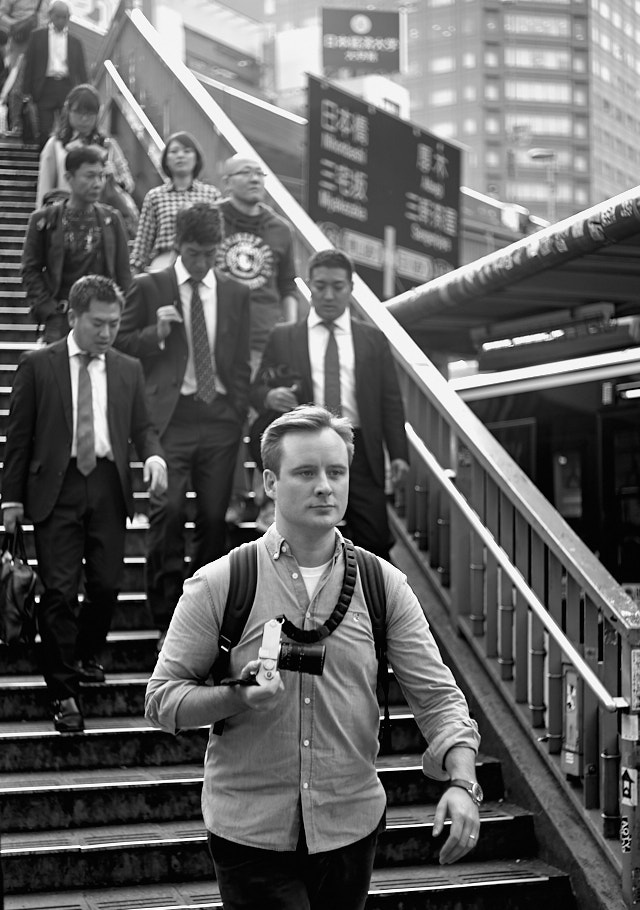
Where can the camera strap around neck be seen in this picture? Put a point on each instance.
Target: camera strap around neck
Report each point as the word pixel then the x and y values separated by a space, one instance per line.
pixel 311 636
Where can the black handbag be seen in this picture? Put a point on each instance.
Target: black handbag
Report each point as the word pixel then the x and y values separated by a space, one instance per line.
pixel 17 593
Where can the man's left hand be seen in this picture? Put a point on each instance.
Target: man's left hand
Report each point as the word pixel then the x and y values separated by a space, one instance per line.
pixel 155 474
pixel 465 824
pixel 399 470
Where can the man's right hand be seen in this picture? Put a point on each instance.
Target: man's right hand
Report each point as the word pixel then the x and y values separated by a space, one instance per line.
pixel 165 316
pixel 11 516
pixel 281 399
pixel 260 697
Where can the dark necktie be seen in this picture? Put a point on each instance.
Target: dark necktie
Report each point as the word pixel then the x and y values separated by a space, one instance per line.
pixel 85 434
pixel 331 371
pixel 205 377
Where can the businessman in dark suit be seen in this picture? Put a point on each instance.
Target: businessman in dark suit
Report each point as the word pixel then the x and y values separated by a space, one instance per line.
pixel 53 64
pixel 75 407
pixel 332 359
pixel 189 325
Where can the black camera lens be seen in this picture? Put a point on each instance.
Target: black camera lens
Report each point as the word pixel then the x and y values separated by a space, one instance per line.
pixel 301 658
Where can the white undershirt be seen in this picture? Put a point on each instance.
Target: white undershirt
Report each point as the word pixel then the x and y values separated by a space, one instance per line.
pixel 311 576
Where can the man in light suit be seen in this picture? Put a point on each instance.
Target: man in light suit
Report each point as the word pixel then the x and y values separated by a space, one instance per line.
pixel 75 407
pixel 358 376
pixel 53 64
pixel 189 325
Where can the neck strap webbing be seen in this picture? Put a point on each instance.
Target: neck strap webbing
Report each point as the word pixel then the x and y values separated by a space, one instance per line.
pixel 311 636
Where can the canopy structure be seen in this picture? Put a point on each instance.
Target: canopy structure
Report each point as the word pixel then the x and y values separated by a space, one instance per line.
pixel 582 272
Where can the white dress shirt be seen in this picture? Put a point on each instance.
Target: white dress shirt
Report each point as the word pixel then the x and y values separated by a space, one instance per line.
pixel 318 334
pixel 57 61
pixel 98 373
pixel 209 297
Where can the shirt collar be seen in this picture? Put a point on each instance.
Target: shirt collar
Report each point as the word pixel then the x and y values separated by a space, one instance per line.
pixel 172 189
pixel 277 544
pixel 73 349
pixel 342 322
pixel 182 276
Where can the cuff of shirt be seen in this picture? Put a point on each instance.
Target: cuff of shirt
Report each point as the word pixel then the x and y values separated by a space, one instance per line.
pixel 464 733
pixel 158 459
pixel 11 505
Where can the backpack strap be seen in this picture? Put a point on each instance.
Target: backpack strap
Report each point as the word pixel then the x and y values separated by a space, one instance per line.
pixel 375 596
pixel 243 578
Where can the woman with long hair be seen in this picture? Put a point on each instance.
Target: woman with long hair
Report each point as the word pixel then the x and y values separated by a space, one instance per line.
pixel 182 162
pixel 79 126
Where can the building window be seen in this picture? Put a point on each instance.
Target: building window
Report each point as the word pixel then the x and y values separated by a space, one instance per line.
pixel 469 61
pixel 492 125
pixel 442 65
pixel 492 158
pixel 469 126
pixel 443 96
pixel 446 129
pixel 492 91
pixel 547 26
pixel 537 58
pixel 491 58
pixel 546 92
pixel 469 93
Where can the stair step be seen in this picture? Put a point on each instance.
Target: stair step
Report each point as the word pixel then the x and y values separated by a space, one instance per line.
pixel 507 885
pixel 47 800
pixel 144 853
pixel 26 698
pixel 33 745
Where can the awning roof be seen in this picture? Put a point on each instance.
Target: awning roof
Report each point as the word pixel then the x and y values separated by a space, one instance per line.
pixel 590 258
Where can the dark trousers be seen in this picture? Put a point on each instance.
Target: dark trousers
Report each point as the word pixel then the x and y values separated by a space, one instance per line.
pixel 200 448
pixel 366 515
pixel 49 104
pixel 87 522
pixel 294 880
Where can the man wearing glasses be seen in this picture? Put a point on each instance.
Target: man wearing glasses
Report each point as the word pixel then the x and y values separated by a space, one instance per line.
pixel 256 249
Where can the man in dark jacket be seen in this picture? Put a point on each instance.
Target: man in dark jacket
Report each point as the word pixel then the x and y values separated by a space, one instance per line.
pixel 189 325
pixel 75 237
pixel 332 359
pixel 53 64
pixel 75 407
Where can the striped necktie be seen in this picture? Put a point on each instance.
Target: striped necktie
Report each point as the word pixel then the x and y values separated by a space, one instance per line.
pixel 205 377
pixel 332 371
pixel 85 433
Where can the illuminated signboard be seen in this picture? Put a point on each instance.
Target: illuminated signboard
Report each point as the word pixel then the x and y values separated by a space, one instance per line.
pixel 363 42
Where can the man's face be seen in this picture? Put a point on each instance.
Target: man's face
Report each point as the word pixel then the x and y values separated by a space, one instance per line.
pixel 311 490
pixel 197 258
pixel 86 184
pixel 244 180
pixel 59 17
pixel 96 329
pixel 330 291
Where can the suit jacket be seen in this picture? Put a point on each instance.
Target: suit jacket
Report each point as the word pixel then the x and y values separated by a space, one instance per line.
pixel 36 60
pixel 165 369
pixel 43 255
pixel 377 390
pixel 40 426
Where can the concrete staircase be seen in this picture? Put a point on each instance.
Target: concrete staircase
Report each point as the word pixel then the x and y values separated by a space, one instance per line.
pixel 110 819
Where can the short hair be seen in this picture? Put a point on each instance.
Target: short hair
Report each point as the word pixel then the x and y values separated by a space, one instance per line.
pixel 189 142
pixel 330 259
pixel 198 223
pixel 94 287
pixel 84 154
pixel 307 418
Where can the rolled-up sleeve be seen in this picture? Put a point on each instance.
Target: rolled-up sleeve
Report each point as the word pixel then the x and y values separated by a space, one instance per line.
pixel 190 647
pixel 439 706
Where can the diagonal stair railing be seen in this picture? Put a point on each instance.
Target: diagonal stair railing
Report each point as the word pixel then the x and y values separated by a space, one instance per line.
pixel 558 634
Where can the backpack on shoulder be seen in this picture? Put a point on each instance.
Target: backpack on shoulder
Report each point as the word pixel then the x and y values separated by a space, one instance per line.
pixel 243 564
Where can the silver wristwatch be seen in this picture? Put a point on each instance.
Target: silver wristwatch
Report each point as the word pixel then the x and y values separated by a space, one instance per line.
pixel 473 789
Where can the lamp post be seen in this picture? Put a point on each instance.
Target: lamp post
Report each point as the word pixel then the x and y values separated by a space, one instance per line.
pixel 551 160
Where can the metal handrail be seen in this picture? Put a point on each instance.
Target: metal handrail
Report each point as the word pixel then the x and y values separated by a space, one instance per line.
pixel 609 702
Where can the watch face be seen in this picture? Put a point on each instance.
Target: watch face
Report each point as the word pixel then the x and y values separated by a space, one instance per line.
pixel 476 793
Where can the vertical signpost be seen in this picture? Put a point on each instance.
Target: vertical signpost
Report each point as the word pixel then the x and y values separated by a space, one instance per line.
pixel 384 191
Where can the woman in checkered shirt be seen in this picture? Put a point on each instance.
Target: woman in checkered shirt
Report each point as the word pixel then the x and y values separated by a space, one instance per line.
pixel 182 161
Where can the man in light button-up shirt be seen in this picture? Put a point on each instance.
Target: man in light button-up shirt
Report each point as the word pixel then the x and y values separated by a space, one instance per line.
pixel 291 784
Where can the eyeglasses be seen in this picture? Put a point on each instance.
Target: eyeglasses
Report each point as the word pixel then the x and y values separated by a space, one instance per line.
pixel 248 172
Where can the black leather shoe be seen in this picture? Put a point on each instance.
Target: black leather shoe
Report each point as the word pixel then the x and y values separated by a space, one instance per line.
pixel 67 716
pixel 90 671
